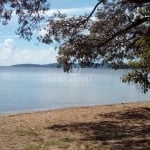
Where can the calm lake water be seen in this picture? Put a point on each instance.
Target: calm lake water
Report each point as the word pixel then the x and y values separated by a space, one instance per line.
pixel 30 89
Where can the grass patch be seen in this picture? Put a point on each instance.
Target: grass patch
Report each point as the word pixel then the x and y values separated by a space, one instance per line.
pixel 61 143
pixel 32 147
pixel 53 142
pixel 25 132
pixel 102 148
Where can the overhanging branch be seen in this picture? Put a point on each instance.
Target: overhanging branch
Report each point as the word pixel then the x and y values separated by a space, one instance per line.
pixel 92 12
pixel 123 31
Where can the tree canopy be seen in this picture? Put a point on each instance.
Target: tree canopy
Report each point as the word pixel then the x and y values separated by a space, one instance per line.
pixel 117 31
pixel 29 14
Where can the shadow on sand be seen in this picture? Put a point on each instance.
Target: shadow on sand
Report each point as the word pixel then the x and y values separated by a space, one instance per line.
pixel 129 129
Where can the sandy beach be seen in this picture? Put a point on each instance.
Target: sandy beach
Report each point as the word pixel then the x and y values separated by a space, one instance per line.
pixel 107 127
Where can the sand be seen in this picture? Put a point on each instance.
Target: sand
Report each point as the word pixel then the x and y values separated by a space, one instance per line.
pixel 110 127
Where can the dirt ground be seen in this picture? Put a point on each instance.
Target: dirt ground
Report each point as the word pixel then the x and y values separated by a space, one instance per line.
pixel 110 127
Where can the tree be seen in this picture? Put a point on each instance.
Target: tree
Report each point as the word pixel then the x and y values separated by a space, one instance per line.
pixel 141 73
pixel 29 14
pixel 120 32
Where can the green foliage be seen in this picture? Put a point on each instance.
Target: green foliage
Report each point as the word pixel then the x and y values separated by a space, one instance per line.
pixel 121 31
pixel 138 77
pixel 29 14
pixel 141 73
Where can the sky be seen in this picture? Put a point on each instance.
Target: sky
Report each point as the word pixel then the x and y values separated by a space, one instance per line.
pixel 14 50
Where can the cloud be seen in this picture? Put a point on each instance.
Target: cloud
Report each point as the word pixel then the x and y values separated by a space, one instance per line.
pixel 70 11
pixel 9 43
pixel 10 54
pixel 43 56
pixel 6 48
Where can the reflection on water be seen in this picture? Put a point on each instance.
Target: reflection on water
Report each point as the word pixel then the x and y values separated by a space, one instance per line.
pixel 26 89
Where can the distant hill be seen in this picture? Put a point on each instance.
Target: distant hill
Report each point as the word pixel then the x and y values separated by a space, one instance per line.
pixel 56 65
pixel 53 65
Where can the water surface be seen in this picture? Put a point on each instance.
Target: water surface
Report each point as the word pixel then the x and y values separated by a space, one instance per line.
pixel 30 89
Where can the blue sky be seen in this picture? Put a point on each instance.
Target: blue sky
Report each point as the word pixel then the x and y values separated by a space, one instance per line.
pixel 14 50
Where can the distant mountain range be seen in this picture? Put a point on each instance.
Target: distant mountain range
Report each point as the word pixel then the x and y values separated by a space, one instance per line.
pixel 56 65
pixel 53 65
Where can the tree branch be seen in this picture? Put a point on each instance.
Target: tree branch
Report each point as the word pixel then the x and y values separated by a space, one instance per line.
pixel 92 12
pixel 136 1
pixel 122 31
